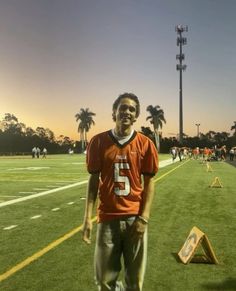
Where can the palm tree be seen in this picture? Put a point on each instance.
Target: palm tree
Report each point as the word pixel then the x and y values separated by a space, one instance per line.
pixel 233 127
pixel 85 118
pixel 156 118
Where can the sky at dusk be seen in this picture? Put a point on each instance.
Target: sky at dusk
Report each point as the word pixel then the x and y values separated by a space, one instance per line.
pixel 57 56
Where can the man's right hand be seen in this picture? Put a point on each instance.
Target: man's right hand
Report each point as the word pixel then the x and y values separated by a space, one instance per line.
pixel 87 231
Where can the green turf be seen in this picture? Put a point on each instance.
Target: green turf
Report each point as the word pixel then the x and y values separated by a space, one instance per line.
pixel 183 199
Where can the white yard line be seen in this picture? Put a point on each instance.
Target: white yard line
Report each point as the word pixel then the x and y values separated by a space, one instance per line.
pixel 36 216
pixel 14 201
pixel 10 227
pixel 56 209
pixel 71 203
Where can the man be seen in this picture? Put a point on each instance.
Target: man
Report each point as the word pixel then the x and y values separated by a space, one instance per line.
pixel 116 161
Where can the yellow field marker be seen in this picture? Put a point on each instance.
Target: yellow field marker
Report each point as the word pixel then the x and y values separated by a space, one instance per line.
pixel 57 242
pixel 209 168
pixel 216 183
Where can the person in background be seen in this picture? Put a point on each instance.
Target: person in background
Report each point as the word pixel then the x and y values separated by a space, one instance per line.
pixel 44 153
pixel 34 151
pixel 38 152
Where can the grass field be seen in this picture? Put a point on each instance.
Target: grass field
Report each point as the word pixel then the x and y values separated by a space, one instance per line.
pixel 40 239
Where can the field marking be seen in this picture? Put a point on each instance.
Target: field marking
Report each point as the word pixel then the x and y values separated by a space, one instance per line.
pixel 57 242
pixel 41 194
pixel 56 209
pixel 36 216
pixel 10 227
pixel 40 253
pixel 172 170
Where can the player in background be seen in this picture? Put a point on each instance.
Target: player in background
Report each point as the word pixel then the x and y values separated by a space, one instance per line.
pixel 117 160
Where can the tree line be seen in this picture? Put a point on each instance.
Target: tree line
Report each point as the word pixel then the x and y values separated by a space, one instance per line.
pixel 157 119
pixel 17 138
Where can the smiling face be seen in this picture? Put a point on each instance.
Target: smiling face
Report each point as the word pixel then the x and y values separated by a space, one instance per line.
pixel 125 114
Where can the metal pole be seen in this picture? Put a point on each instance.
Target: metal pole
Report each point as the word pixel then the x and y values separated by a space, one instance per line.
pixel 180 67
pixel 180 94
pixel 198 125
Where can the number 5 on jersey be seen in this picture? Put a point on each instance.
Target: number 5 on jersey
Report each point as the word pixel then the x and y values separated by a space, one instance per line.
pixel 121 179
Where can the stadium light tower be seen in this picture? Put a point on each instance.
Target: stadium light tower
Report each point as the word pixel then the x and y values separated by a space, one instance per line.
pixel 197 125
pixel 180 67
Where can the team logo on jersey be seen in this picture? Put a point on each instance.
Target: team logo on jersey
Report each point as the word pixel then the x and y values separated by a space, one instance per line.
pixel 121 157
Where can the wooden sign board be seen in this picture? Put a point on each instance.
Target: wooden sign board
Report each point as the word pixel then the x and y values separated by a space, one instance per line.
pixel 196 238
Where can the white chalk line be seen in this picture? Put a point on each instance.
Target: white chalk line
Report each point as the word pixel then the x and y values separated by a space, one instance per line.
pixel 36 216
pixel 14 201
pixel 10 227
pixel 21 199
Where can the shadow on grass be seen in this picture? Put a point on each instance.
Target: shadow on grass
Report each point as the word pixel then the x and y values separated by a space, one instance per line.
pixel 175 255
pixel 227 284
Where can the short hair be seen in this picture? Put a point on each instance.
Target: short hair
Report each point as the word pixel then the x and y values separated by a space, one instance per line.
pixel 123 96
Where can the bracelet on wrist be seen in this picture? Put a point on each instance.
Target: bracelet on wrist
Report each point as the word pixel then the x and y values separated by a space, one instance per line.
pixel 144 220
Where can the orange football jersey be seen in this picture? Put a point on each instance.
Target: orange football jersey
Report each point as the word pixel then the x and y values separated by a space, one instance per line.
pixel 120 168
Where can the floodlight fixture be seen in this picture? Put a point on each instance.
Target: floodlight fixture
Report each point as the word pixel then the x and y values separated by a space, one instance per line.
pixel 181 28
pixel 180 57
pixel 181 67
pixel 181 40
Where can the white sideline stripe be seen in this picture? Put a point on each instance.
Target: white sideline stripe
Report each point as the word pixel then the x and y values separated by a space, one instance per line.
pixel 41 194
pixel 82 198
pixel 10 227
pixel 165 163
pixel 70 203
pixel 55 209
pixel 36 216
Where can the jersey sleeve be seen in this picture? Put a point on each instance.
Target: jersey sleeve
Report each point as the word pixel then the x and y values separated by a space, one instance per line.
pixel 93 158
pixel 150 159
